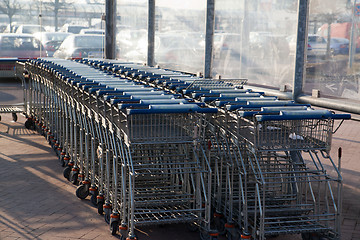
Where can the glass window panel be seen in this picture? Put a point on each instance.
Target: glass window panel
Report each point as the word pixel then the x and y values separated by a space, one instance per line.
pixel 131 38
pixel 256 40
pixel 333 53
pixel 180 34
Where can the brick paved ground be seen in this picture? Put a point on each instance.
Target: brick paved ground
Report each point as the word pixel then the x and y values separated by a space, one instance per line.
pixel 348 137
pixel 36 202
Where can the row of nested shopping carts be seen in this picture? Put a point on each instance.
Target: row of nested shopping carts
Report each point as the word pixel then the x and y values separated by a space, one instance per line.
pixel 152 146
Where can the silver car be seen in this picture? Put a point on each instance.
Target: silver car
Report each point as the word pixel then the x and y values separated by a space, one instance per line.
pixel 80 46
pixel 317 46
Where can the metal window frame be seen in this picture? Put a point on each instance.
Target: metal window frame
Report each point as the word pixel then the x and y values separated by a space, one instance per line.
pixel 297 93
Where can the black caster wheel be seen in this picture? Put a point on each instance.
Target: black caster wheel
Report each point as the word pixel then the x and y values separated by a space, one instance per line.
pixel 14 117
pixel 107 218
pixel 29 124
pixel 82 192
pixel 205 235
pixel 62 161
pixel 93 199
pixel 114 227
pixel 67 172
pixel 100 208
pixel 74 178
pixel 220 225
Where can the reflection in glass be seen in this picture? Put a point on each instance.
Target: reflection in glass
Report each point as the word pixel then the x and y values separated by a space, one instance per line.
pixel 256 40
pixel 179 37
pixel 335 72
pixel 131 38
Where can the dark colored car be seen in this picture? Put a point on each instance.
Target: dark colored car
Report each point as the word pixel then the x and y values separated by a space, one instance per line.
pixel 22 46
pixel 15 46
pixel 80 46
pixel 339 46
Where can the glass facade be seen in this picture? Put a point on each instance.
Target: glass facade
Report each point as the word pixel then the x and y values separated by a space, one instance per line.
pixel 180 34
pixel 333 54
pixel 255 40
pixel 131 35
pixel 252 39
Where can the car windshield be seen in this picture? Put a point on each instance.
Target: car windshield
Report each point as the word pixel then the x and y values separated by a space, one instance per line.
pixel 19 43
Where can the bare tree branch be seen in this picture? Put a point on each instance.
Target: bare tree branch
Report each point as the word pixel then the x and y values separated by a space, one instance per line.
pixel 10 8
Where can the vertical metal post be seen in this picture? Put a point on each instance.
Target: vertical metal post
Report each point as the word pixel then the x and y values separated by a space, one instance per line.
pixel 110 29
pixel 353 36
pixel 301 48
pixel 209 37
pixel 56 15
pixel 151 34
pixel 40 23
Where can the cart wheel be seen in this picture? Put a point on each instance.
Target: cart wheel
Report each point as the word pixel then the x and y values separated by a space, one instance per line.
pixel 82 192
pixel 205 235
pixel 29 124
pixel 114 227
pixel 67 172
pixel 14 117
pixel 100 208
pixel 93 199
pixel 107 218
pixel 62 161
pixel 220 225
pixel 74 177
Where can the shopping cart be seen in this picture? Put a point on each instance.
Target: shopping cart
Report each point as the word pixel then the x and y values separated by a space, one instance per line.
pixel 155 146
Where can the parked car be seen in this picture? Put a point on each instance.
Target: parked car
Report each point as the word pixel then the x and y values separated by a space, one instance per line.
pixel 72 28
pixel 80 46
pixel 340 30
pixel 22 46
pixel 51 40
pixel 317 46
pixel 339 46
pixel 12 28
pixel 30 28
pixel 92 31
